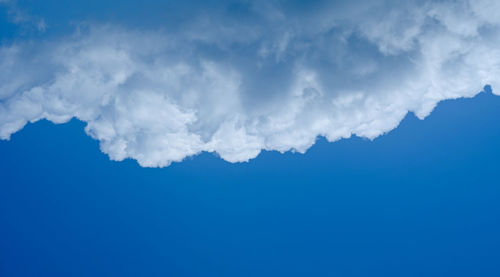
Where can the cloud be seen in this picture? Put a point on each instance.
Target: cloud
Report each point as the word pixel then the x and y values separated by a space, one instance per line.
pixel 274 77
pixel 19 17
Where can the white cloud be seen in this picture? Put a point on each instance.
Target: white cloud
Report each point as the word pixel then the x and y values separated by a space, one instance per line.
pixel 274 82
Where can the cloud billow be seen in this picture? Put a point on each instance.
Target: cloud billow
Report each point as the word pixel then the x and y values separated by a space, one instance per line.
pixel 260 75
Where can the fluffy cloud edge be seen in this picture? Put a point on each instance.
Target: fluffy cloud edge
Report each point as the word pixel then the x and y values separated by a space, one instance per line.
pixel 158 98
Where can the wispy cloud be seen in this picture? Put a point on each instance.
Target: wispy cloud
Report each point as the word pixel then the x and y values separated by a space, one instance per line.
pixel 18 16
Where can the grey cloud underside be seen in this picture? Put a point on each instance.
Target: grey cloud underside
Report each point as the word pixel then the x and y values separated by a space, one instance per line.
pixel 273 78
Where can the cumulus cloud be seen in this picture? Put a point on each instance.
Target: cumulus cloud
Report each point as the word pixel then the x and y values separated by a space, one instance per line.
pixel 273 77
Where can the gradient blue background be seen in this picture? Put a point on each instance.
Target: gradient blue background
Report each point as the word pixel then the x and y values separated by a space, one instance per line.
pixel 423 200
pixel 420 201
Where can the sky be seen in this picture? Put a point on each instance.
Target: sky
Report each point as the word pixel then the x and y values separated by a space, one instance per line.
pixel 249 138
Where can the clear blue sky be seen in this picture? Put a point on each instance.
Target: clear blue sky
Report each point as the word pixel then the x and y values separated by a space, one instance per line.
pixel 421 200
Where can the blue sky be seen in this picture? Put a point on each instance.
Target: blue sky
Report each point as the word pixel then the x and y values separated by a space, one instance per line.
pixel 239 138
pixel 422 200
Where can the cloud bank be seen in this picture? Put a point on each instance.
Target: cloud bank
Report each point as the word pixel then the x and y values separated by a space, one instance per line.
pixel 241 77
